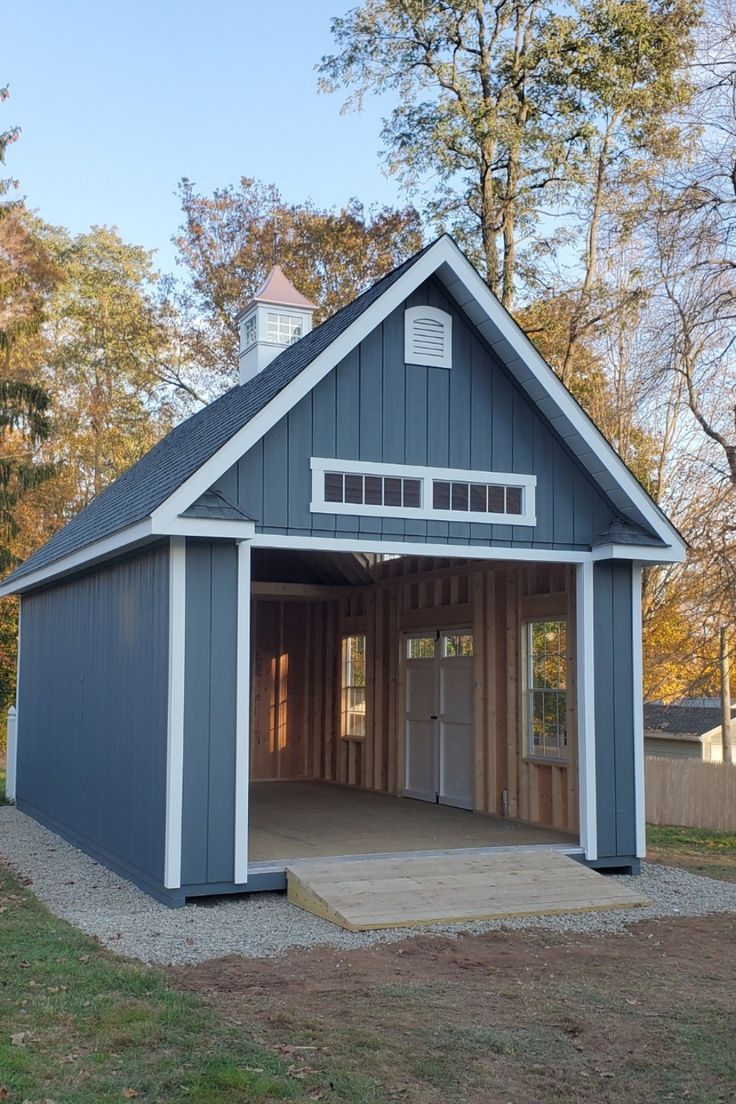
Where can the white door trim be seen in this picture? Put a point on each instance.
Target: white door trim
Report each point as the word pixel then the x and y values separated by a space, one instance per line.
pixel 175 725
pixel 585 672
pixel 638 706
pixel 372 543
pixel 242 716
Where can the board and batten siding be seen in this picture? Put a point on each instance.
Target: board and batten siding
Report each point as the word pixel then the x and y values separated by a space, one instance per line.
pixel 92 709
pixel 614 709
pixel 374 407
pixel 209 713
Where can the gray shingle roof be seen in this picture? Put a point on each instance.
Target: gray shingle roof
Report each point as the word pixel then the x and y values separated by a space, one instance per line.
pixel 680 721
pixel 149 482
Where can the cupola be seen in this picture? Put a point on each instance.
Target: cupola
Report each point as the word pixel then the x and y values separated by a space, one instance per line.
pixel 276 317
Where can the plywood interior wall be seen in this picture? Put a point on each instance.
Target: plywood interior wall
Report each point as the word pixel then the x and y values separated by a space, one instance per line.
pixel 296 680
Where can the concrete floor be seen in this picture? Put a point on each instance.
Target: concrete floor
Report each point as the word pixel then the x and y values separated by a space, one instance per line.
pixel 290 820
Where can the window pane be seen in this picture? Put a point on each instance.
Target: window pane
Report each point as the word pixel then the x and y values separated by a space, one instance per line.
pixel 441 495
pixel 353 488
pixel 420 647
pixel 513 500
pixel 547 671
pixel 353 694
pixel 392 492
pixel 412 493
pixel 478 498
pixel 333 487
pixel 496 499
pixel 373 490
pixel 458 644
pixel 459 496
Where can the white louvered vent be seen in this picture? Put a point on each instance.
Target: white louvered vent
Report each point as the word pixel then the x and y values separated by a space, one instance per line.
pixel 428 337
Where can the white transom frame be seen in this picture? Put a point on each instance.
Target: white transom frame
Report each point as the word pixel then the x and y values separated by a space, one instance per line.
pixel 320 465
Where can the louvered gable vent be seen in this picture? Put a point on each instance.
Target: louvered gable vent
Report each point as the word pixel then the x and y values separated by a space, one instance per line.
pixel 428 337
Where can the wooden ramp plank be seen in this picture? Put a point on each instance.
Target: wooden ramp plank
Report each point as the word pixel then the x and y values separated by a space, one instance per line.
pixel 385 892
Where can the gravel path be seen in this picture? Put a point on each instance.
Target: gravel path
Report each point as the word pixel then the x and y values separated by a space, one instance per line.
pixel 88 895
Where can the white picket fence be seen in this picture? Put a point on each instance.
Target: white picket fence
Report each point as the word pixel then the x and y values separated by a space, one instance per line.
pixel 691 793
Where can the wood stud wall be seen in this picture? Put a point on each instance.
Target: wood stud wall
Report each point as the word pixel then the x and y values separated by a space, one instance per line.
pixel 296 679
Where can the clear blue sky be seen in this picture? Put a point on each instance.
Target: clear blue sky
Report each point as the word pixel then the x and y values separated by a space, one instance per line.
pixel 118 101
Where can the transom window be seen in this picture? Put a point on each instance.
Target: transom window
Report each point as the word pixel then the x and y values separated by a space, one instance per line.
pixel 372 490
pixel 406 490
pixel 478 498
pixel 283 329
pixel 547 690
pixel 352 690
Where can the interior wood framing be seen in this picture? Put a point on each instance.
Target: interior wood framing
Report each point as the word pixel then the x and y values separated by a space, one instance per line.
pixel 296 677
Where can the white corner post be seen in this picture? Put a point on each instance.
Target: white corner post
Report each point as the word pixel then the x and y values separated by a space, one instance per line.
pixel 242 716
pixel 584 599
pixel 12 754
pixel 175 737
pixel 638 706
pixel 11 761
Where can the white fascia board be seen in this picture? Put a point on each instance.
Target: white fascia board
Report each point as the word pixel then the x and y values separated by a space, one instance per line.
pixel 373 543
pixel 208 527
pixel 642 553
pixel 444 253
pixel 100 550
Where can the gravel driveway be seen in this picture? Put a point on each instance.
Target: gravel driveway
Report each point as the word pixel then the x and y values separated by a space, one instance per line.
pixel 88 895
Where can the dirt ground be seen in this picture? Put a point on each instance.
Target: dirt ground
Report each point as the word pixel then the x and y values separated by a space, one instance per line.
pixel 502 1018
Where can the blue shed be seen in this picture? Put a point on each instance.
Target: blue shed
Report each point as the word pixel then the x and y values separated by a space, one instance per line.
pixel 382 596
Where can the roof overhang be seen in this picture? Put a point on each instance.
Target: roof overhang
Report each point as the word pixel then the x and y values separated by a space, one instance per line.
pixel 126 540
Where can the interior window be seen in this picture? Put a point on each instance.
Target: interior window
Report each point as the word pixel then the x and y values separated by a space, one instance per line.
pixel 352 712
pixel 547 690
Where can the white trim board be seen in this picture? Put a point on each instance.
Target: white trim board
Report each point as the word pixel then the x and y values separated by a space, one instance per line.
pixel 372 543
pixel 465 285
pixel 175 722
pixel 638 706
pixel 242 716
pixel 585 674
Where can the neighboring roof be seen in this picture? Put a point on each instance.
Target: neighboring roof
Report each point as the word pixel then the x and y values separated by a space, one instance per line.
pixel 181 467
pixel 149 482
pixel 683 722
pixel 278 289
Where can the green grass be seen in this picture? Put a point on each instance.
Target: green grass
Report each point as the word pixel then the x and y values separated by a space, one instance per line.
pixel 699 850
pixel 2 787
pixel 79 1026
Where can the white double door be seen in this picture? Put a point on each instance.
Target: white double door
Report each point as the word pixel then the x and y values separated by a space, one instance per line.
pixel 439 759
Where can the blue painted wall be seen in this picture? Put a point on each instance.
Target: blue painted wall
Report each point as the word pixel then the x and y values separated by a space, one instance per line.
pixel 209 712
pixel 375 407
pixel 93 710
pixel 614 709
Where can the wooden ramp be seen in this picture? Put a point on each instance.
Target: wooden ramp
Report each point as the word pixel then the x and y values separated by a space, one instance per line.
pixel 389 892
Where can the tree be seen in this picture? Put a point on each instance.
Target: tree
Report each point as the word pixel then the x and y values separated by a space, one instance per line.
pixel 105 364
pixel 26 277
pixel 507 107
pixel 230 240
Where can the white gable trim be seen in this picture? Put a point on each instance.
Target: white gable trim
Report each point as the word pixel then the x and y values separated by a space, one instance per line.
pixel 443 253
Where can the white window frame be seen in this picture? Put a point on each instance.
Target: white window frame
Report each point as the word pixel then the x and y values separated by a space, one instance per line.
pixel 411 314
pixel 320 465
